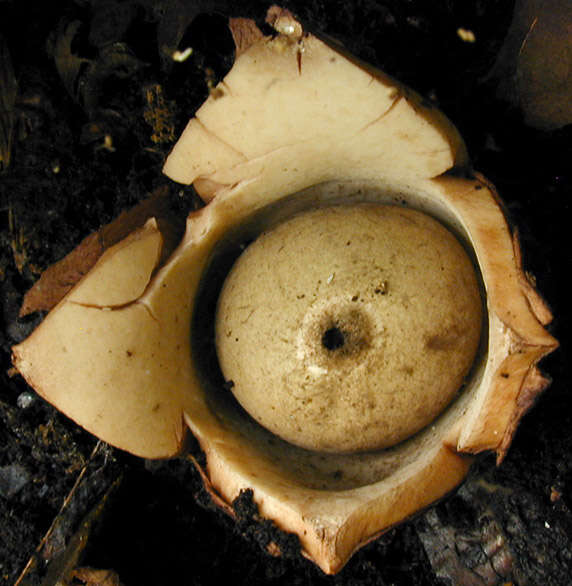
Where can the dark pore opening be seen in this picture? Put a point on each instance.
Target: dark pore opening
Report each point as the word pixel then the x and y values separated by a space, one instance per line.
pixel 333 338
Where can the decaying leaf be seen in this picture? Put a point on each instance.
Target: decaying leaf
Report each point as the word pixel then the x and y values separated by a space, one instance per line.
pixel 83 78
pixel 244 33
pixel 68 64
pixel 176 17
pixel 58 279
pixel 534 66
pixel 62 547
pixel 159 114
pixel 8 93
pixel 94 577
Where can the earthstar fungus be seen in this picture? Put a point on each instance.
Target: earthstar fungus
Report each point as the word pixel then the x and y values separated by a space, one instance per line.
pixel 296 128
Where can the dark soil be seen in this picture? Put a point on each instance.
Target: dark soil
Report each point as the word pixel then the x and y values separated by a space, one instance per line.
pixel 90 69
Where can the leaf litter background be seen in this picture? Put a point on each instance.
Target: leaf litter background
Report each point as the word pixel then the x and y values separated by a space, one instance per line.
pixel 90 104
